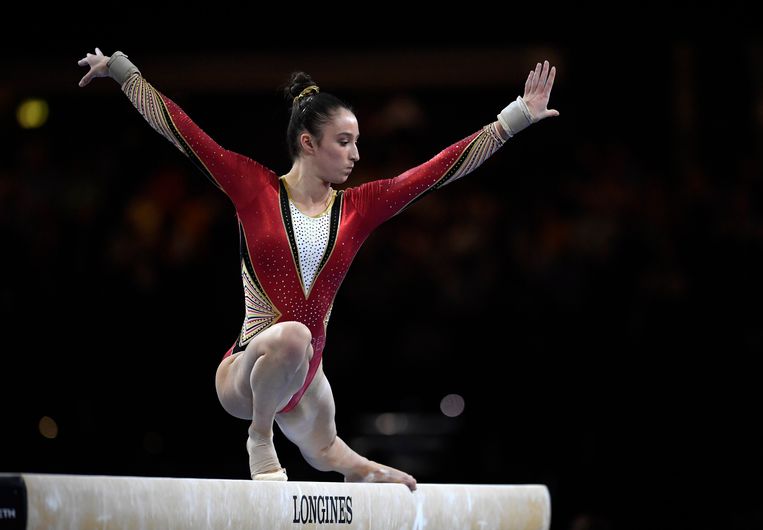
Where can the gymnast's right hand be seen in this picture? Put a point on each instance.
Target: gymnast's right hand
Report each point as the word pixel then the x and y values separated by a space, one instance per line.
pixel 98 66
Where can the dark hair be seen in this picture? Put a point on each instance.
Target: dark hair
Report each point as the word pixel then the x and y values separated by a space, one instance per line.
pixel 310 110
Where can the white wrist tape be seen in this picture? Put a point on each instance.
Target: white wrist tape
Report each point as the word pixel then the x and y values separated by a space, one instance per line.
pixel 120 67
pixel 515 117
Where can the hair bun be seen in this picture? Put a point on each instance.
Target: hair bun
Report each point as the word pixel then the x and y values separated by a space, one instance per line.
pixel 300 85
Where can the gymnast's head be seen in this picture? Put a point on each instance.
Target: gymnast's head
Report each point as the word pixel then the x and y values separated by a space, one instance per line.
pixel 323 130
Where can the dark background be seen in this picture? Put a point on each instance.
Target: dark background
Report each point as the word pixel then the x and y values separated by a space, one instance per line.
pixel 592 291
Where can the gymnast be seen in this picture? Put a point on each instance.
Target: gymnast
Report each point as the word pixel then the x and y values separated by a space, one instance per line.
pixel 298 236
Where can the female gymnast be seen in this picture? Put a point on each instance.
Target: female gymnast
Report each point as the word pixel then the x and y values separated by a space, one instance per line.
pixel 298 237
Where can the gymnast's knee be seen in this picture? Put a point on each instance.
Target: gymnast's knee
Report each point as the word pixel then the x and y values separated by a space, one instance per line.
pixel 291 344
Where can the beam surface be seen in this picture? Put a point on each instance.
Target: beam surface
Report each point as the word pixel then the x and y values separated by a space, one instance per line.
pixel 37 501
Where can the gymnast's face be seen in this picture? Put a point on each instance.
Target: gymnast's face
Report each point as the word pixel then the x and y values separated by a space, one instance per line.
pixel 337 150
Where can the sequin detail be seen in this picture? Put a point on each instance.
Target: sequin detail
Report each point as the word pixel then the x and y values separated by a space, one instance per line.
pixel 259 312
pixel 312 236
pixel 149 103
pixel 479 150
pixel 482 147
pixel 315 250
pixel 327 317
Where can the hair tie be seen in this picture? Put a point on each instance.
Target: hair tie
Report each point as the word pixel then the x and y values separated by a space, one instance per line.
pixel 312 89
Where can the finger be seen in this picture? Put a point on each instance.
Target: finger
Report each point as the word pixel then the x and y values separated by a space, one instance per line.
pixel 544 75
pixel 98 51
pixel 536 77
pixel 529 83
pixel 85 80
pixel 550 82
pixel 531 79
pixel 82 62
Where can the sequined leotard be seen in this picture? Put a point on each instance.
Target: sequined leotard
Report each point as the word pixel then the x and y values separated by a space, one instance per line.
pixel 285 275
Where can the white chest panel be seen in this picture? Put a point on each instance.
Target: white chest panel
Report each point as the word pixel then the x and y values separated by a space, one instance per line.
pixel 312 236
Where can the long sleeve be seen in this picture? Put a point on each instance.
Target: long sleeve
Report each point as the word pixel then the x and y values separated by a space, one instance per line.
pixel 237 175
pixel 380 200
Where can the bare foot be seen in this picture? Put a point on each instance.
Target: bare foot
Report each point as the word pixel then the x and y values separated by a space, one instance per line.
pixel 372 472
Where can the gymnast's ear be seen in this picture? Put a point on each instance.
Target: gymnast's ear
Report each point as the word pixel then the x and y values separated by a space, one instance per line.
pixel 307 142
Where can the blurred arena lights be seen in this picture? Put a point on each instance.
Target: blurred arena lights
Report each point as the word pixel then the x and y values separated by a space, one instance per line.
pixel 390 423
pixel 452 405
pixel 48 427
pixel 32 113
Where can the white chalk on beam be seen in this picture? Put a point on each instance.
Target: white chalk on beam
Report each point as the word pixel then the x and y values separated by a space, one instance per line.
pixel 38 501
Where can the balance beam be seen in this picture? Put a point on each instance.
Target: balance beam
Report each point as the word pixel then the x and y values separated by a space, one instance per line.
pixel 38 501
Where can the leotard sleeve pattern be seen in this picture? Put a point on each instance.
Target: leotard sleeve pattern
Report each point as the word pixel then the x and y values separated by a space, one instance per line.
pixel 237 175
pixel 379 200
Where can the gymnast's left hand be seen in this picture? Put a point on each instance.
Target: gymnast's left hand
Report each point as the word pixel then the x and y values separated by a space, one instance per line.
pixel 98 64
pixel 538 91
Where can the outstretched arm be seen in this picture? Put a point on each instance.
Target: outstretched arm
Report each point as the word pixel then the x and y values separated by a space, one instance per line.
pixel 382 199
pixel 223 167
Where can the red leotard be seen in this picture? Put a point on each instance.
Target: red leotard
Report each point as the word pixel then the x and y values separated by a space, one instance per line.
pixel 273 287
